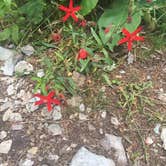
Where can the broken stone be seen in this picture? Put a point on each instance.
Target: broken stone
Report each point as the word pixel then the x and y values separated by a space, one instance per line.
pixel 11 90
pixel 82 107
pixel 82 116
pixel 162 97
pixel 104 114
pixel 28 50
pixel 30 105
pixel 157 129
pixel 33 150
pixel 163 137
pixel 55 129
pixel 114 121
pixel 5 146
pixel 26 162
pixel 7 56
pixel 3 134
pixel 86 158
pixel 113 142
pixel 23 67
pixel 5 106
pixel 40 73
pixel 149 141
pixel 56 114
pixel 6 115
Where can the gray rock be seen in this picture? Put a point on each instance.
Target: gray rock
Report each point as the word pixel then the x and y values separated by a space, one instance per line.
pixel 26 162
pixel 7 56
pixel 40 73
pixel 56 113
pixel 82 116
pixel 30 105
pixel 162 97
pixel 27 50
pixel 114 121
pixel 163 137
pixel 55 129
pixel 11 90
pixel 23 67
pixel 5 106
pixel 13 117
pixel 104 114
pixel 130 58
pixel 6 115
pixel 53 157
pixel 5 146
pixel 122 72
pixel 82 107
pixel 86 158
pixel 46 114
pixel 112 142
pixel 157 129
pixel 3 134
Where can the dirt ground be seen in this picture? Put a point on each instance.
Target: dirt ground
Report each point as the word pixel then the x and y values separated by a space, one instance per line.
pixel 76 133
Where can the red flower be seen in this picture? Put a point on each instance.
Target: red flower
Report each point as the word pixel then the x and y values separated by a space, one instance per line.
pixel 70 11
pixel 148 1
pixel 82 23
pixel 48 100
pixel 130 37
pixel 56 37
pixel 82 54
pixel 106 30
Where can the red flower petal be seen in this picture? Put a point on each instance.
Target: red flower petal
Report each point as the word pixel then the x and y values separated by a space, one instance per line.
pixel 129 45
pixel 66 17
pixel 125 32
pixel 70 11
pixel 123 40
pixel 71 4
pixel 136 31
pixel 63 8
pixel 74 17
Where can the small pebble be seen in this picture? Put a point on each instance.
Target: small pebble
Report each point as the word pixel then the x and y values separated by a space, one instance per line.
pixel 104 114
pixel 149 141
pixel 82 107
pixel 114 121
pixel 55 129
pixel 157 129
pixel 82 116
pixel 40 73
pixel 3 135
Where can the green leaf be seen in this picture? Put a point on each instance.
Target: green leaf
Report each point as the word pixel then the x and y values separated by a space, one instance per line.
pixel 115 16
pixel 99 42
pixel 106 79
pixel 15 33
pixel 33 10
pixel 87 6
pixel 135 22
pixel 115 38
pixel 84 64
pixel 5 34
